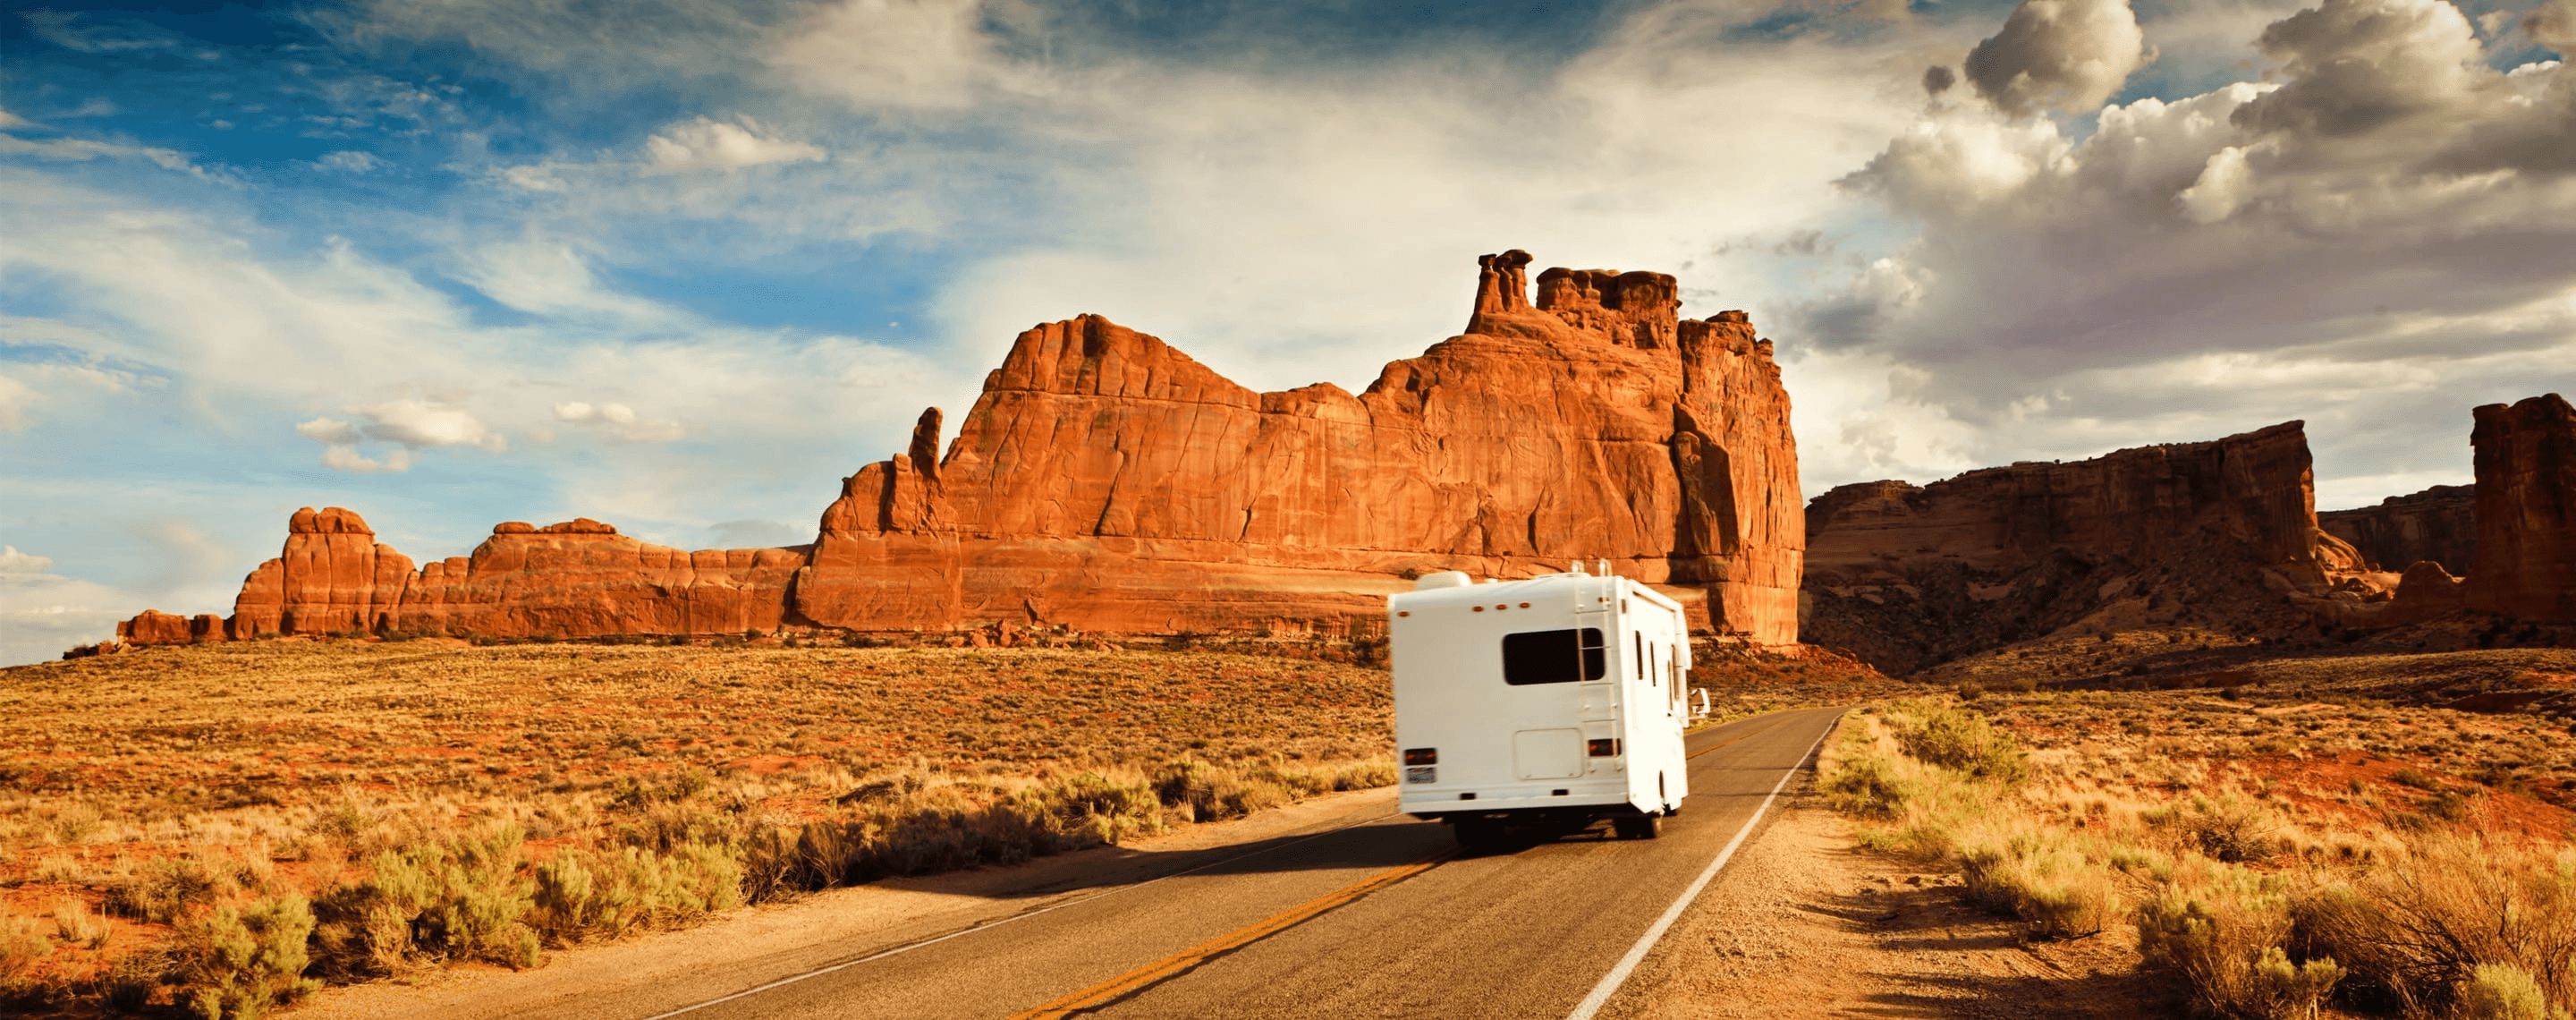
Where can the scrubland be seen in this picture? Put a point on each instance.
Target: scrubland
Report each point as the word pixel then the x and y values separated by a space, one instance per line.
pixel 218 829
pixel 2265 857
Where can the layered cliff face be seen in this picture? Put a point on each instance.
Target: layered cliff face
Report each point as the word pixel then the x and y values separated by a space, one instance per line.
pixel 576 579
pixel 581 578
pixel 2526 510
pixel 2212 533
pixel 2437 524
pixel 1107 481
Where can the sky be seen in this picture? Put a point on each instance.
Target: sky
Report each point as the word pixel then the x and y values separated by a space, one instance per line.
pixel 681 265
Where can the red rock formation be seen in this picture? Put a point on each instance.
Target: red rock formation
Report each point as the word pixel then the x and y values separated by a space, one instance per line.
pixel 1108 481
pixel 2438 524
pixel 154 628
pixel 332 578
pixel 2526 555
pixel 1908 577
pixel 583 579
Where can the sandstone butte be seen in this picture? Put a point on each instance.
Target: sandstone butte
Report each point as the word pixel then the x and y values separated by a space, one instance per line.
pixel 2525 566
pixel 1105 481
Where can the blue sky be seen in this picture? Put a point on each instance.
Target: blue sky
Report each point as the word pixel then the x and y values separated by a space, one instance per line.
pixel 680 265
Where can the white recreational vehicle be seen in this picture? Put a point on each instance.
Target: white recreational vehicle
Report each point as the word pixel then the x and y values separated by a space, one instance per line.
pixel 1552 700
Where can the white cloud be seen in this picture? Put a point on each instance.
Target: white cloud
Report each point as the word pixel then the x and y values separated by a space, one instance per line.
pixel 617 420
pixel 12 122
pixel 14 562
pixel 347 458
pixel 411 423
pixel 330 432
pixel 15 400
pixel 704 144
pixel 920 54
pixel 350 161
pixel 82 149
pixel 2058 55
pixel 418 423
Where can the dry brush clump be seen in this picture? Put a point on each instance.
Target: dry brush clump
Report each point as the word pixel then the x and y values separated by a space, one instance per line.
pixel 2268 876
pixel 217 829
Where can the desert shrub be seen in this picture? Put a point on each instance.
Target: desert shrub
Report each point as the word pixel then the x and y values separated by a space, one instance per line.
pixel 1970 690
pixel 2502 991
pixel 239 961
pixel 73 921
pixel 1966 742
pixel 603 893
pixel 2044 878
pixel 2417 929
pixel 22 943
pixel 2230 828
pixel 455 899
pixel 162 891
pixel 1864 786
pixel 2220 930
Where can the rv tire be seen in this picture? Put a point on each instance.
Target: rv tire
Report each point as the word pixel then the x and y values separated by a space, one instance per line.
pixel 1637 826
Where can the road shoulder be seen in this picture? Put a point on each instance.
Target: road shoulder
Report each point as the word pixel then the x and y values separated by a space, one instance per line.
pixel 1803 924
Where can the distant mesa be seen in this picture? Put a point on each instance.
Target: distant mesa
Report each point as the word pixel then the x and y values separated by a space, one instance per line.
pixel 2219 535
pixel 1105 481
pixel 2439 524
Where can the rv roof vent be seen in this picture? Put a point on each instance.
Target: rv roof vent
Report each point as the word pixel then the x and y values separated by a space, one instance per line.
pixel 1443 579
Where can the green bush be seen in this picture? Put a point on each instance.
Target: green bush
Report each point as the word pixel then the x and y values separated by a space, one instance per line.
pixel 1965 742
pixel 603 893
pixel 2221 933
pixel 459 899
pixel 237 962
pixel 2502 991
pixel 1864 785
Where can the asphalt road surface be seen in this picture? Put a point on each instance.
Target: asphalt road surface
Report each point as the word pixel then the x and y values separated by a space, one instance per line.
pixel 1381 919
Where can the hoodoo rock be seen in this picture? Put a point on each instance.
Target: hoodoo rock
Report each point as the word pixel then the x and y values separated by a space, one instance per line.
pixel 2439 524
pixel 2216 533
pixel 1106 481
pixel 2526 510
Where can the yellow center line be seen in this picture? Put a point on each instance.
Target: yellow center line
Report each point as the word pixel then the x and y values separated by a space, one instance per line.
pixel 1137 980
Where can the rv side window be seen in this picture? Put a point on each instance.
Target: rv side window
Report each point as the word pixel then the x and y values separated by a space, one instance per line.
pixel 1554 656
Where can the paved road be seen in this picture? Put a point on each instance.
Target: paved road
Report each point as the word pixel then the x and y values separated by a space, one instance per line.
pixel 1377 919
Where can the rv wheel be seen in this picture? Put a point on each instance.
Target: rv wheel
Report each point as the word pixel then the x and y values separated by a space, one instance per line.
pixel 1638 827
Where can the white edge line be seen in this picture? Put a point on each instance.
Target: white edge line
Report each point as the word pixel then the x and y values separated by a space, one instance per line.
pixel 1618 975
pixel 910 946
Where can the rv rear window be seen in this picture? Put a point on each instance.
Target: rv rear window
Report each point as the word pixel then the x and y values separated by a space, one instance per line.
pixel 1553 656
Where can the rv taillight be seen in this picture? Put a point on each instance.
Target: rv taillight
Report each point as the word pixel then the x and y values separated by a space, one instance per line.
pixel 1422 756
pixel 1602 747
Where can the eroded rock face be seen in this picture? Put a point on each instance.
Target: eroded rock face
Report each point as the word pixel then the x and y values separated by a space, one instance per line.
pixel 579 578
pixel 2214 533
pixel 1108 481
pixel 2438 524
pixel 2526 510
pixel 331 578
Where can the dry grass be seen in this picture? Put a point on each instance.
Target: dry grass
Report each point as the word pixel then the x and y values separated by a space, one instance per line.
pixel 2272 858
pixel 216 827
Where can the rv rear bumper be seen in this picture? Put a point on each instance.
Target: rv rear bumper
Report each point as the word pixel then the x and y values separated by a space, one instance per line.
pixel 1597 805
